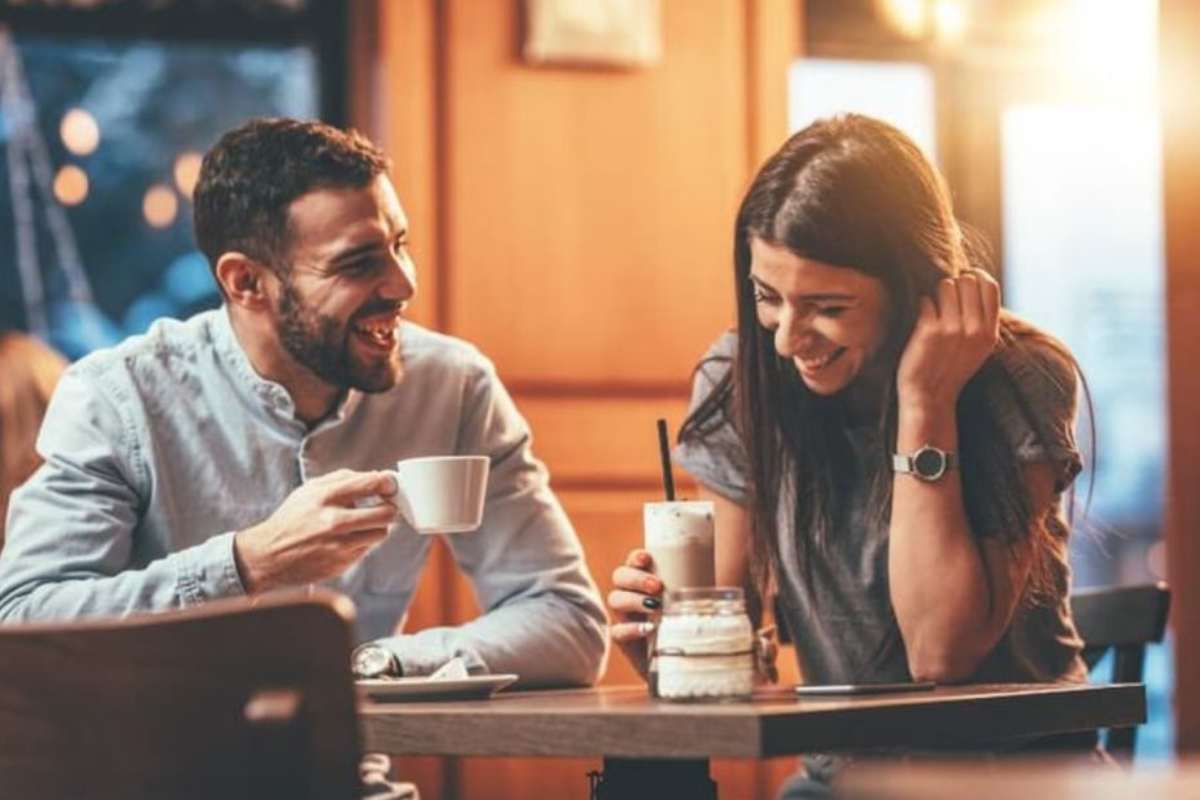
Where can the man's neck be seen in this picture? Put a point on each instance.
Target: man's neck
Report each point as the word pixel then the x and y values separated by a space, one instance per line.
pixel 312 397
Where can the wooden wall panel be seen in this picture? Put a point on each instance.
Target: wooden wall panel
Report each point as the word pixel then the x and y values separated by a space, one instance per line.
pixel 601 443
pixel 575 224
pixel 593 207
pixel 1180 26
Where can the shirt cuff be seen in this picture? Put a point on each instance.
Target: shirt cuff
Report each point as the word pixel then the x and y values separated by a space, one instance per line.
pixel 209 571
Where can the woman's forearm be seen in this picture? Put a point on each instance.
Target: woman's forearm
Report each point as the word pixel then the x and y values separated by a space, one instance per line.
pixel 937 578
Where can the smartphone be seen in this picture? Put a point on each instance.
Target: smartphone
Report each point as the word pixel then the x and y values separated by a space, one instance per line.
pixel 862 688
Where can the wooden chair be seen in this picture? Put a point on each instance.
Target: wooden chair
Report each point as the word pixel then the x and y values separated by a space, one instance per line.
pixel 231 700
pixel 1124 619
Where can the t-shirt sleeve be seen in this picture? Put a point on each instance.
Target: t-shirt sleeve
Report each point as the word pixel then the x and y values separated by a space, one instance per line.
pixel 712 452
pixel 1038 417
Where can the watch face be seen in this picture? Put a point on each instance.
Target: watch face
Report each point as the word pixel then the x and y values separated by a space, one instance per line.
pixel 929 463
pixel 371 661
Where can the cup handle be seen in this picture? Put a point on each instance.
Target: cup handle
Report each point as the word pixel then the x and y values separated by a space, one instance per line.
pixel 400 499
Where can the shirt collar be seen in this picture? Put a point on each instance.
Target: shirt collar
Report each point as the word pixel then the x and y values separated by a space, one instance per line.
pixel 269 395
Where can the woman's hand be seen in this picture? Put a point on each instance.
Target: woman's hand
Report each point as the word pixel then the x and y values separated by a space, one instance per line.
pixel 635 602
pixel 957 329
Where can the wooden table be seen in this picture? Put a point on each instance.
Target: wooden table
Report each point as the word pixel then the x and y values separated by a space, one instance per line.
pixel 651 744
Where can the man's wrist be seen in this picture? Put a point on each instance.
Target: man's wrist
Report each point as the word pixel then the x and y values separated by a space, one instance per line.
pixel 250 580
pixel 372 660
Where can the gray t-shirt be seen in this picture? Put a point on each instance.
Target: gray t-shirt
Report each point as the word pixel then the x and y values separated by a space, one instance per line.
pixel 839 612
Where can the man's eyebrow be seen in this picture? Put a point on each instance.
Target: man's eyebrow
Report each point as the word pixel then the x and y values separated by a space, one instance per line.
pixel 364 249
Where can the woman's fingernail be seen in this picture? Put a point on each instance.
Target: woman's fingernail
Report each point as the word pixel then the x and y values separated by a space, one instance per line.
pixel 646 628
pixel 652 602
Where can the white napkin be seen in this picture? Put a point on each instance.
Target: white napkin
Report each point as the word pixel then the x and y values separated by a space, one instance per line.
pixel 453 670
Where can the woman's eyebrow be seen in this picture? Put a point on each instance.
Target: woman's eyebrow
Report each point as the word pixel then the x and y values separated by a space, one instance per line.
pixel 813 297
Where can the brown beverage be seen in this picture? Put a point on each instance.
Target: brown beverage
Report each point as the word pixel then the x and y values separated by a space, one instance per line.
pixel 679 536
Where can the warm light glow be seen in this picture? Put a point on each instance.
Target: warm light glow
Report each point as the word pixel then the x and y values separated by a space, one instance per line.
pixel 950 18
pixel 908 17
pixel 1111 43
pixel 1156 559
pixel 187 171
pixel 79 131
pixel 71 185
pixel 160 206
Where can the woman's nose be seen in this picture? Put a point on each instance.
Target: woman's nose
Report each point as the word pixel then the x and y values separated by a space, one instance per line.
pixel 791 334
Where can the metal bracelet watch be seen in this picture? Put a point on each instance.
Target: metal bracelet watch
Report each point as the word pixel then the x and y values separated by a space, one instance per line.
pixel 373 660
pixel 926 462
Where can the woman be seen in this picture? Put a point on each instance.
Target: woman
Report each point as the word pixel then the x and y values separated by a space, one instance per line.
pixel 886 447
pixel 29 371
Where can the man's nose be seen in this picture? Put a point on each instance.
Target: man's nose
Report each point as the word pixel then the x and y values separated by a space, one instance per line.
pixel 401 283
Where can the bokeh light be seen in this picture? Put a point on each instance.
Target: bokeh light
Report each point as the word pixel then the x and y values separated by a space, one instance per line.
pixel 79 131
pixel 71 185
pixel 160 206
pixel 187 171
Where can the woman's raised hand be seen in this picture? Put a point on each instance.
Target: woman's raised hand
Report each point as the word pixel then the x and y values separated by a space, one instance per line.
pixel 957 329
pixel 635 602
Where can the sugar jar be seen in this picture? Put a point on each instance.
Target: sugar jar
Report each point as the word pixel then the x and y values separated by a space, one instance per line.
pixel 705 645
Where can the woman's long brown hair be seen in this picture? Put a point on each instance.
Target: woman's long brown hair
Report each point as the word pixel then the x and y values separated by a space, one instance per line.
pixel 855 192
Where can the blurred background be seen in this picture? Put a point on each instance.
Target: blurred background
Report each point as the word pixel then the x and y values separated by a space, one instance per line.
pixel 571 170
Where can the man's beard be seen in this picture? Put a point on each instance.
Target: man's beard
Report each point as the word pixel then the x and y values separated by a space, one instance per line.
pixel 322 344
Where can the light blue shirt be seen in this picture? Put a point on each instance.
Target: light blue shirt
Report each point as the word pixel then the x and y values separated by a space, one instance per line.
pixel 157 450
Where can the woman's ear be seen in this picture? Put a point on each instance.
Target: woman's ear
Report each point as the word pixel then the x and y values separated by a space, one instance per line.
pixel 242 279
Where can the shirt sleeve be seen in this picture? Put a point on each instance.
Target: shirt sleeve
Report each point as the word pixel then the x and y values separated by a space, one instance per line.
pixel 713 453
pixel 1038 414
pixel 543 618
pixel 72 528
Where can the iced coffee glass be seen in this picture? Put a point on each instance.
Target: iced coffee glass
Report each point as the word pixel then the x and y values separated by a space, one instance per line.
pixel 679 536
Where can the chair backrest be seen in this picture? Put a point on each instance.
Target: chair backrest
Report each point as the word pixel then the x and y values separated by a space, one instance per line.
pixel 1124 619
pixel 231 700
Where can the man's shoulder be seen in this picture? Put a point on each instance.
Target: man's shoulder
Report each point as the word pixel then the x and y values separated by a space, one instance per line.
pixel 425 350
pixel 158 357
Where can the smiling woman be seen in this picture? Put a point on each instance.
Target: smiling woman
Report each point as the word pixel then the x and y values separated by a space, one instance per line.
pixel 884 444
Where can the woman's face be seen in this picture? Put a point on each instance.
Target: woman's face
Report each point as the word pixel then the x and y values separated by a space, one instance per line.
pixel 830 321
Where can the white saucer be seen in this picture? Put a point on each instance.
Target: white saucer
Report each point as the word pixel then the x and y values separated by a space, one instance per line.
pixel 476 687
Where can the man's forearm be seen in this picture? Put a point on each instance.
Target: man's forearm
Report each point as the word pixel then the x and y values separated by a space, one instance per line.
pixel 546 639
pixel 30 590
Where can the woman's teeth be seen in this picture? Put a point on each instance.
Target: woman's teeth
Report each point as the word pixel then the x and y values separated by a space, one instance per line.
pixel 815 363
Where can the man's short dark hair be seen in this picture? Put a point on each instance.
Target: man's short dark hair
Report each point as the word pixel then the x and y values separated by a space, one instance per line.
pixel 253 173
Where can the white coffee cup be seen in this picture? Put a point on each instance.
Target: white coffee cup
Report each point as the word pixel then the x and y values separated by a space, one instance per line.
pixel 680 536
pixel 440 494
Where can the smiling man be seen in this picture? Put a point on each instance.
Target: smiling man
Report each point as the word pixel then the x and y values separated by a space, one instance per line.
pixel 224 455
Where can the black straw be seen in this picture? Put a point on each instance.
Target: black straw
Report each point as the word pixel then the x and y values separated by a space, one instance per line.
pixel 664 451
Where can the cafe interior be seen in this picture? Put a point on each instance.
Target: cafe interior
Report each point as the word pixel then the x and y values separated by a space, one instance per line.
pixel 571 171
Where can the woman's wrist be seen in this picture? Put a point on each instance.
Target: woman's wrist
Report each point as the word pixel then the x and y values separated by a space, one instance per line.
pixel 925 420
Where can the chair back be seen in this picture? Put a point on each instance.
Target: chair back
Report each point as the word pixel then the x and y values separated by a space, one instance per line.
pixel 232 700
pixel 1124 619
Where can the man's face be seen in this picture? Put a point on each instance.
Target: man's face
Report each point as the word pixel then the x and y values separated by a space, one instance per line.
pixel 347 280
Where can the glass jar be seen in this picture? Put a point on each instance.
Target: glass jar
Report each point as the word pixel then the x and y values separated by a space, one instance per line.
pixel 705 645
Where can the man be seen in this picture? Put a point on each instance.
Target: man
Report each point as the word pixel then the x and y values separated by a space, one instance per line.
pixel 227 454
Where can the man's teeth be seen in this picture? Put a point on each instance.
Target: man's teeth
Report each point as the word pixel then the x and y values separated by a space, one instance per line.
pixel 381 332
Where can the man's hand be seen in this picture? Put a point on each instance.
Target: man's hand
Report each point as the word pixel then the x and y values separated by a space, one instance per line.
pixel 317 533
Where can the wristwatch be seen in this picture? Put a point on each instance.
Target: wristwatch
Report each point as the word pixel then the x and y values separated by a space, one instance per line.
pixel 926 462
pixel 373 660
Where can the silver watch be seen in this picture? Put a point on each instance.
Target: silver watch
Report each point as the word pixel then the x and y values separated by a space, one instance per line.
pixel 926 462
pixel 373 660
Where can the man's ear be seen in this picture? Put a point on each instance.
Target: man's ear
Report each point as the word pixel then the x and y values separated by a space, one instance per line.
pixel 243 279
